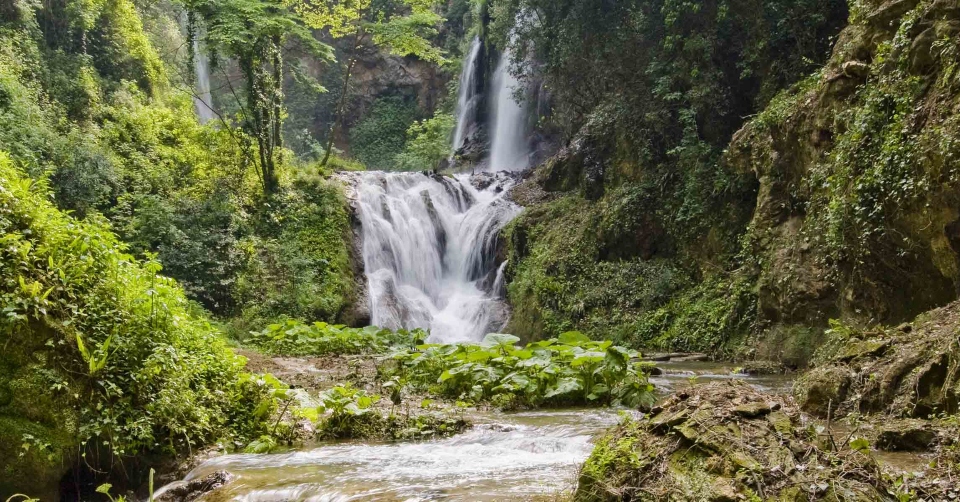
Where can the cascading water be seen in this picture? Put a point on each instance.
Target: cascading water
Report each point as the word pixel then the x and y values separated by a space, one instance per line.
pixel 509 150
pixel 429 250
pixel 202 101
pixel 468 96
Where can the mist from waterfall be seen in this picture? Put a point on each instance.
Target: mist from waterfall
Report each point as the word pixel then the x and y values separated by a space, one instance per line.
pixel 509 149
pixel 468 96
pixel 202 100
pixel 429 246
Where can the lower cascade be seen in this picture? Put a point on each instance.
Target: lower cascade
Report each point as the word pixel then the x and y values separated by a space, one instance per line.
pixel 429 246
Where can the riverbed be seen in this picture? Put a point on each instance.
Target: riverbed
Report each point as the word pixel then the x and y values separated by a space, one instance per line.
pixel 532 455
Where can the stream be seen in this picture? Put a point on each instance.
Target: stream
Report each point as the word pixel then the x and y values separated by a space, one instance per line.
pixel 505 456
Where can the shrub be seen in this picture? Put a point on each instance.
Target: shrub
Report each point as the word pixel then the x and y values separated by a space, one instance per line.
pixel 294 338
pixel 381 135
pixel 99 349
pixel 428 143
pixel 569 370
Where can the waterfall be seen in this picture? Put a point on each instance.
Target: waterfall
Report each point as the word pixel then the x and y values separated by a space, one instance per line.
pixel 467 97
pixel 202 100
pixel 429 247
pixel 509 150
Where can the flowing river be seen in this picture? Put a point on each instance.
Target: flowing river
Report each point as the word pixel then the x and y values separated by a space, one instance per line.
pixel 432 260
pixel 505 456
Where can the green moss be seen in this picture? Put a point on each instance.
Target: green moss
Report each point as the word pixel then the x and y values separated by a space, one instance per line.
pixel 613 462
pixel 301 267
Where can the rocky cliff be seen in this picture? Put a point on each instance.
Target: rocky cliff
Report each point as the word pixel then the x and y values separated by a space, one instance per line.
pixel 839 199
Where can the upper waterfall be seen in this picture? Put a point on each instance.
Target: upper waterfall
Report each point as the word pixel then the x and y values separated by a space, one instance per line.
pixel 509 149
pixel 429 246
pixel 468 95
pixel 202 100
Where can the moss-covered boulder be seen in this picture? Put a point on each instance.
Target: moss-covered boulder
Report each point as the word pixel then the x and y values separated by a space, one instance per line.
pixel 725 441
pixel 912 370
pixel 821 390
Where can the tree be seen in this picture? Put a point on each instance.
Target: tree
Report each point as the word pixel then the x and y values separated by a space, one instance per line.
pixel 254 33
pixel 429 143
pixel 401 26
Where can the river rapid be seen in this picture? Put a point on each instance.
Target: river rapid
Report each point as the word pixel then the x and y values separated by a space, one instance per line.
pixel 505 456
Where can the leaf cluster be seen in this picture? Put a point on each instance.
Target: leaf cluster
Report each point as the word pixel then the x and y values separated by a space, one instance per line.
pixel 568 370
pixel 294 338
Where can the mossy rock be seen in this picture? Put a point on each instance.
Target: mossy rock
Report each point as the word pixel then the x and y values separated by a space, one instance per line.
pixel 724 441
pixel 903 372
pixel 822 390
pixel 38 428
pixel 44 455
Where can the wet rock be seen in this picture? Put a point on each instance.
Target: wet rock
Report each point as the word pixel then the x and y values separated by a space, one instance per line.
pixel 192 490
pixel 724 441
pixel 906 435
pixel 762 368
pixel 691 358
pixel 822 390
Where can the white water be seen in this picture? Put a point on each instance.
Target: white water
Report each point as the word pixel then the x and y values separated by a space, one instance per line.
pixel 468 96
pixel 509 150
pixel 524 456
pixel 202 101
pixel 429 246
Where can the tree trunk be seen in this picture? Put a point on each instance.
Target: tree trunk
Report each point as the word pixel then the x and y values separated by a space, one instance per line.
pixel 338 115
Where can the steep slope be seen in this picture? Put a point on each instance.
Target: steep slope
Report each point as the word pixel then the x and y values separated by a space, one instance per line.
pixel 838 200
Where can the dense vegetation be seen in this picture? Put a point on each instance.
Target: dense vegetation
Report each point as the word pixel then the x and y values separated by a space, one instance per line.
pixel 125 221
pixel 649 206
pixel 103 357
pixel 293 338
pixel 569 370
pixel 686 222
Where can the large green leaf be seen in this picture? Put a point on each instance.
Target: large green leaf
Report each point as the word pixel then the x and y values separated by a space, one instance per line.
pixel 573 338
pixel 498 339
pixel 564 386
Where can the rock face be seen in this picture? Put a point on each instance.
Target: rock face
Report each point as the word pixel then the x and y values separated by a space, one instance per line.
pixel 909 371
pixel 841 200
pixel 725 442
pixel 192 490
pixel 857 207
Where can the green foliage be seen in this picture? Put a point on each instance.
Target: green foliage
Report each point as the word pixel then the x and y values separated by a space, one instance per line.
pixel 110 340
pixel 255 33
pixel 712 315
pixel 382 134
pixel 401 26
pixel 298 263
pixel 569 370
pixel 614 457
pixel 890 161
pixel 348 413
pixel 428 143
pixel 293 338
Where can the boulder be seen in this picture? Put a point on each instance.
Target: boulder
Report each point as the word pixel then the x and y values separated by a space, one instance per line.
pixel 725 441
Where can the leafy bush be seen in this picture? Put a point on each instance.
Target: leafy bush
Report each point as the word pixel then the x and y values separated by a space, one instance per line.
pixel 428 143
pixel 569 370
pixel 294 338
pixel 380 136
pixel 297 261
pixel 100 348
pixel 346 412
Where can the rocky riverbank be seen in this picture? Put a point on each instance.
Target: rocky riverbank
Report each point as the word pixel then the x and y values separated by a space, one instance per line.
pixel 873 420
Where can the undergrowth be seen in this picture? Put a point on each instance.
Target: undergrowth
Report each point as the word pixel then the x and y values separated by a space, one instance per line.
pixel 569 370
pixel 294 338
